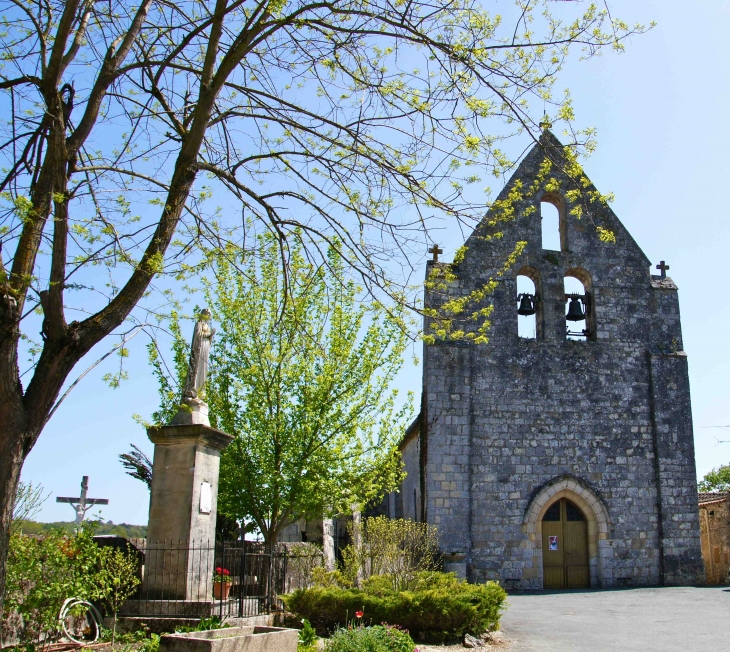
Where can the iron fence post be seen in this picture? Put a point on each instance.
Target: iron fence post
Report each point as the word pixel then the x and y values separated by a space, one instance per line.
pixel 242 578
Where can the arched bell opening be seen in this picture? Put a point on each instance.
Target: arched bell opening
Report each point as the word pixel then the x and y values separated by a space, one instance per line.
pixel 579 309
pixel 552 219
pixel 529 306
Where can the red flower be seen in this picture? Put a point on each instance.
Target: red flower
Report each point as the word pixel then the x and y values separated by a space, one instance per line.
pixel 226 571
pixel 218 569
pixel 358 614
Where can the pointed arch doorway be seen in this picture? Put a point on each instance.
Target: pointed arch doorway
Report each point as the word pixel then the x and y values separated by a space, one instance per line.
pixel 565 547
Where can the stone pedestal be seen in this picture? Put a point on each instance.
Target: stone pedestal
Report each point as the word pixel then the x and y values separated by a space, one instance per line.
pixel 181 532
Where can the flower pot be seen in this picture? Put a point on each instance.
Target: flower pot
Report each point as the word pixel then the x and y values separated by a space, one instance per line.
pixel 221 590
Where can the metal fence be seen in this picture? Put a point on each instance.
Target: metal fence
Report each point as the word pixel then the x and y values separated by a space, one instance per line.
pixel 178 580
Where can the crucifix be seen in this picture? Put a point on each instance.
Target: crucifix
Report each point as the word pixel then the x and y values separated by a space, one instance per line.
pixel 435 250
pixel 82 504
pixel 663 267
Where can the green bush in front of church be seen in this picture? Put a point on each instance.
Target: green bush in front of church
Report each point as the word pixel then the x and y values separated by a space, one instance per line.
pixel 436 606
pixel 378 638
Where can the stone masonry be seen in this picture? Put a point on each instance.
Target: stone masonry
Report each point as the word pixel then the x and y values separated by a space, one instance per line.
pixel 509 426
pixel 715 532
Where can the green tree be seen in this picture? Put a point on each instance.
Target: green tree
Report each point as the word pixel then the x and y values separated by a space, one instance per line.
pixel 300 374
pixel 716 480
pixel 116 579
pixel 362 121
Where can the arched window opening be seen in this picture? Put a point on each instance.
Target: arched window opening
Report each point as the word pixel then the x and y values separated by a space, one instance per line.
pixel 526 307
pixel 552 238
pixel 577 310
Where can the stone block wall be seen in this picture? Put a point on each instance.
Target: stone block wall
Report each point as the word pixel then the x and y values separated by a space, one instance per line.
pixel 715 533
pixel 408 501
pixel 504 420
pixel 448 466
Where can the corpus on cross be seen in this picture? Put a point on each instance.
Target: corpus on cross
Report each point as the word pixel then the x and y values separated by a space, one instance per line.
pixel 82 504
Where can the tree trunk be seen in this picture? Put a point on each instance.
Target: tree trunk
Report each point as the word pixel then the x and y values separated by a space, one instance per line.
pixel 13 424
pixel 11 463
pixel 23 414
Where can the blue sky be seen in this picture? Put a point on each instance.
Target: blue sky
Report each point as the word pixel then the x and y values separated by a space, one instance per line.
pixel 661 110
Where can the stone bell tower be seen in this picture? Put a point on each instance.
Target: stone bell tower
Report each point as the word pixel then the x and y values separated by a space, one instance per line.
pixel 560 455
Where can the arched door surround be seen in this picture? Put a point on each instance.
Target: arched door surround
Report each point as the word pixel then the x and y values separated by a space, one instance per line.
pixel 598 524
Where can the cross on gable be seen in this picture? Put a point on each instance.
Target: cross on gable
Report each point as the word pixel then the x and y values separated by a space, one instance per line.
pixel 82 504
pixel 435 250
pixel 663 267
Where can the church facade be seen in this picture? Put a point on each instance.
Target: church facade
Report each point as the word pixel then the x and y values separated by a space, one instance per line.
pixel 564 458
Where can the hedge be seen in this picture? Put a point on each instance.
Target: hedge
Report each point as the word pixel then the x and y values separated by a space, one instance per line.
pixel 439 606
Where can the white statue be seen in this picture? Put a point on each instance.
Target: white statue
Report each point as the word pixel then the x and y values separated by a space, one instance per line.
pixel 199 352
pixel 194 409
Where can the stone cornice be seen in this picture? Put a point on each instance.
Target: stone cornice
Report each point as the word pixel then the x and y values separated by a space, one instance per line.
pixel 189 433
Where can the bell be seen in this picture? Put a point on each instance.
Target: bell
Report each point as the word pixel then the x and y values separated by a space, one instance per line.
pixel 575 310
pixel 527 305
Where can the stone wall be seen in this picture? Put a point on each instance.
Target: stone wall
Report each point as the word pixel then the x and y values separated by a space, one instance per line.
pixel 505 419
pixel 407 501
pixel 715 533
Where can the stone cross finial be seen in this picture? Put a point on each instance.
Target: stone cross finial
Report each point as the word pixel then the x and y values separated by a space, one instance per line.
pixel 663 267
pixel 545 123
pixel 435 250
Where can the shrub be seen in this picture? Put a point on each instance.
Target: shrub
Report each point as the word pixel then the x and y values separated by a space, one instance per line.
pixel 212 622
pixel 324 578
pixel 115 579
pixel 307 637
pixel 397 548
pixel 151 644
pixel 42 572
pixel 370 639
pixel 437 606
pixel 303 561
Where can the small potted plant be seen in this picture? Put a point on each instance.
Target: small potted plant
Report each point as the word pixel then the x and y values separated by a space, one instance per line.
pixel 221 583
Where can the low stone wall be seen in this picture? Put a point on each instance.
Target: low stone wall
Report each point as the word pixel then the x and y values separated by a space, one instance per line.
pixel 167 625
pixel 233 639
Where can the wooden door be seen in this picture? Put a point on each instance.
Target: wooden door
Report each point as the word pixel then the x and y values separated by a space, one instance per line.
pixel 565 547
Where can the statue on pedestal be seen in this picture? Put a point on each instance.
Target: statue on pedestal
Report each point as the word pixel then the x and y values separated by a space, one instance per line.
pixel 194 409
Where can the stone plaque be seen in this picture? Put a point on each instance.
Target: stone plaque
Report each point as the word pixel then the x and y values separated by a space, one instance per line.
pixel 206 498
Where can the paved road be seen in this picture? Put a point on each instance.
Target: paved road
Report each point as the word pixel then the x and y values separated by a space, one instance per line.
pixel 663 619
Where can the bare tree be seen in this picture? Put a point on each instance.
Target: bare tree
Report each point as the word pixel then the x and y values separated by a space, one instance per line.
pixel 346 121
pixel 29 499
